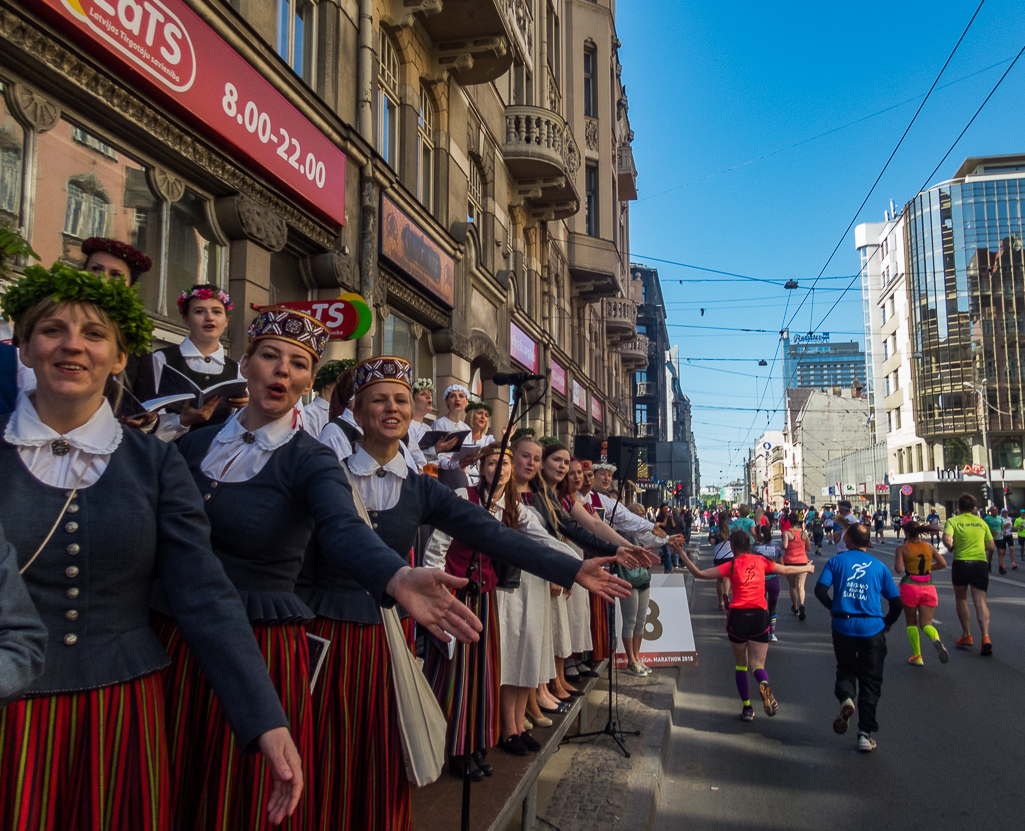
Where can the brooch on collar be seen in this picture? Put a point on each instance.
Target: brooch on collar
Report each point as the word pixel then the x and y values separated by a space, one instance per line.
pixel 380 474
pixel 248 437
pixel 60 447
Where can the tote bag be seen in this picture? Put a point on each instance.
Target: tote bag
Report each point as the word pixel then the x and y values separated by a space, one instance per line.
pixel 422 725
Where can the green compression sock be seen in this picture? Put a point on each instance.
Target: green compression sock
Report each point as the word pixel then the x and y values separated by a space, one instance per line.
pixel 916 646
pixel 930 630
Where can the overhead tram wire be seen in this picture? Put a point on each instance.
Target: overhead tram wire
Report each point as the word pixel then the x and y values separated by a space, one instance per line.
pixel 871 190
pixel 953 145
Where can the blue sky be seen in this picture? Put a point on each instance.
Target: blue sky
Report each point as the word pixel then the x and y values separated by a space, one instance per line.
pixel 729 102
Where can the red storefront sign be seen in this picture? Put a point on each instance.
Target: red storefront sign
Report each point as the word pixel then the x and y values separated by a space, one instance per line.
pixel 166 46
pixel 596 409
pixel 579 396
pixel 348 316
pixel 521 348
pixel 558 378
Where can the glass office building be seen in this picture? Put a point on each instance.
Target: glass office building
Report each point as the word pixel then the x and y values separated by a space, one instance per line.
pixel 966 287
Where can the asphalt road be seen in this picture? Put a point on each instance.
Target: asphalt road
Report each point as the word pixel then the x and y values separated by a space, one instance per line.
pixel 951 749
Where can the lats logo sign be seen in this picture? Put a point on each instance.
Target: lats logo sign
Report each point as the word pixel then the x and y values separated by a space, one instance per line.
pixel 147 32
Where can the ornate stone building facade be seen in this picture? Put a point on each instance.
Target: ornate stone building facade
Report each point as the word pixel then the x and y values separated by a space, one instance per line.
pixel 463 164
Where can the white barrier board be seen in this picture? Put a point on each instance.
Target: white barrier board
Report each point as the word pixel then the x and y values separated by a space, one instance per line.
pixel 668 638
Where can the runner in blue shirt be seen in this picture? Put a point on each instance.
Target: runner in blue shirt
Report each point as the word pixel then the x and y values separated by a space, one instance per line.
pixel 858 581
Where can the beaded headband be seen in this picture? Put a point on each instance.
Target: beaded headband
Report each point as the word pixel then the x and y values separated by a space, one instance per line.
pixel 292 327
pixel 384 368
pixel 64 284
pixel 204 293
pixel 138 263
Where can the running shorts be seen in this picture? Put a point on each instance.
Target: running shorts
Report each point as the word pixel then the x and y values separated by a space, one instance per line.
pixel 743 625
pixel 1001 543
pixel 913 595
pixel 974 573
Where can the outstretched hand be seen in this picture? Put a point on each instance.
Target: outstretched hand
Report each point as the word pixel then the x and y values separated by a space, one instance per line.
pixel 634 556
pixel 593 577
pixel 426 593
pixel 282 757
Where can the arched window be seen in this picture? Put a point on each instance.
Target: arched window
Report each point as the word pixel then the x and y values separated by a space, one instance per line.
pixel 88 211
pixel 425 151
pixel 388 102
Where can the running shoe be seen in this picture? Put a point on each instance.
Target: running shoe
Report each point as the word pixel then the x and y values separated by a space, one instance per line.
pixel 1003 570
pixel 866 744
pixel 748 713
pixel 916 661
pixel 965 642
pixel 768 700
pixel 1014 565
pixel 941 651
pixel 773 638
pixel 632 669
pixel 800 612
pixel 987 647
pixel 843 721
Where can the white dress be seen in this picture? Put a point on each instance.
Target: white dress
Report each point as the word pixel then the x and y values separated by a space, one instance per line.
pixel 579 612
pixel 524 616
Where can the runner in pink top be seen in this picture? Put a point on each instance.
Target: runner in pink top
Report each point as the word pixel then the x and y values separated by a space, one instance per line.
pixel 747 624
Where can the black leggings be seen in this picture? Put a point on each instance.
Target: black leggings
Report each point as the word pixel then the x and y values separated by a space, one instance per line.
pixel 772 594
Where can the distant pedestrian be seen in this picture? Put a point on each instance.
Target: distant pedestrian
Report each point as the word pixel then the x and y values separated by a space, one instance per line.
pixel 1007 528
pixel 933 518
pixel 1019 527
pixel 879 520
pixel 858 581
pixel 795 553
pixel 768 549
pixel 722 552
pixel 996 529
pixel 969 538
pixel 817 532
pixel 917 560
pixel 747 625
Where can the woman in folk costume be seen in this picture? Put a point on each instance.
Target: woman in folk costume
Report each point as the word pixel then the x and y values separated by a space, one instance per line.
pixel 361 781
pixel 268 487
pixel 478 413
pixel 451 471
pixel 97 513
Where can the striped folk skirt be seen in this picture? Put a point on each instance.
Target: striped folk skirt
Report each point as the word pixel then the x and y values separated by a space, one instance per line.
pixel 599 628
pixel 87 761
pixel 361 780
pixel 215 785
pixel 467 686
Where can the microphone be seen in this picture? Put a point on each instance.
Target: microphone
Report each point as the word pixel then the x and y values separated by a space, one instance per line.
pixel 515 378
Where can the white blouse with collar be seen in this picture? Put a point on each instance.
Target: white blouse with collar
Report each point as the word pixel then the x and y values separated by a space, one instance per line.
pixel 89 447
pixel 232 459
pixel 379 485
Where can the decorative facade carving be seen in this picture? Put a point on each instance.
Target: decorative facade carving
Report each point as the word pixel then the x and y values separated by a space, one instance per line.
pixel 242 217
pixel 521 22
pixel 331 269
pixel 34 108
pixel 165 184
pixel 126 103
pixel 591 133
pixel 418 303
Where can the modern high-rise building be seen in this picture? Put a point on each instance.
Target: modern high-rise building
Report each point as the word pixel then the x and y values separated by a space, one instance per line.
pixel 949 349
pixel 812 360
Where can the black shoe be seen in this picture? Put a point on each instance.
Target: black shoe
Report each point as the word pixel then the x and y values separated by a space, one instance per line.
pixel 573 678
pixel 513 745
pixel 457 767
pixel 480 759
pixel 588 673
pixel 530 742
pixel 575 692
pixel 800 613
pixel 562 709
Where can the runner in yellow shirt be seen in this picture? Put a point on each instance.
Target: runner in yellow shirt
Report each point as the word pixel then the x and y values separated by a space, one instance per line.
pixel 970 540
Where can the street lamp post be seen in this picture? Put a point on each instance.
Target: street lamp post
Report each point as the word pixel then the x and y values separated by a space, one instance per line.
pixel 984 420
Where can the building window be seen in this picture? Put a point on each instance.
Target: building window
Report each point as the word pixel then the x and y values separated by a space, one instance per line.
pixel 591 200
pixel 919 459
pixel 641 376
pixel 590 82
pixel 90 141
pixel 388 103
pixel 297 36
pixel 641 414
pixel 900 461
pixel 474 194
pixel 425 151
pixel 88 208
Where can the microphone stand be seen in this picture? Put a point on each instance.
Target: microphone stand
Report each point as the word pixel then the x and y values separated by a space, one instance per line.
pixel 612 726
pixel 473 593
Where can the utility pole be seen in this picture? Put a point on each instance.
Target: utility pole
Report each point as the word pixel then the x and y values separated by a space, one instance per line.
pixel 983 415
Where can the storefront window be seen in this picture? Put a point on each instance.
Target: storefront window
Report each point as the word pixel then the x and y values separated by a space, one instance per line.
pixel 398 336
pixel 12 150
pixel 1008 454
pixel 86 187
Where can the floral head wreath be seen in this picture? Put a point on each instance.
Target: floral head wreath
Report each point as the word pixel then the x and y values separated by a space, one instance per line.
pixel 422 384
pixel 204 293
pixel 479 405
pixel 545 441
pixel 328 374
pixel 65 284
pixel 137 262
